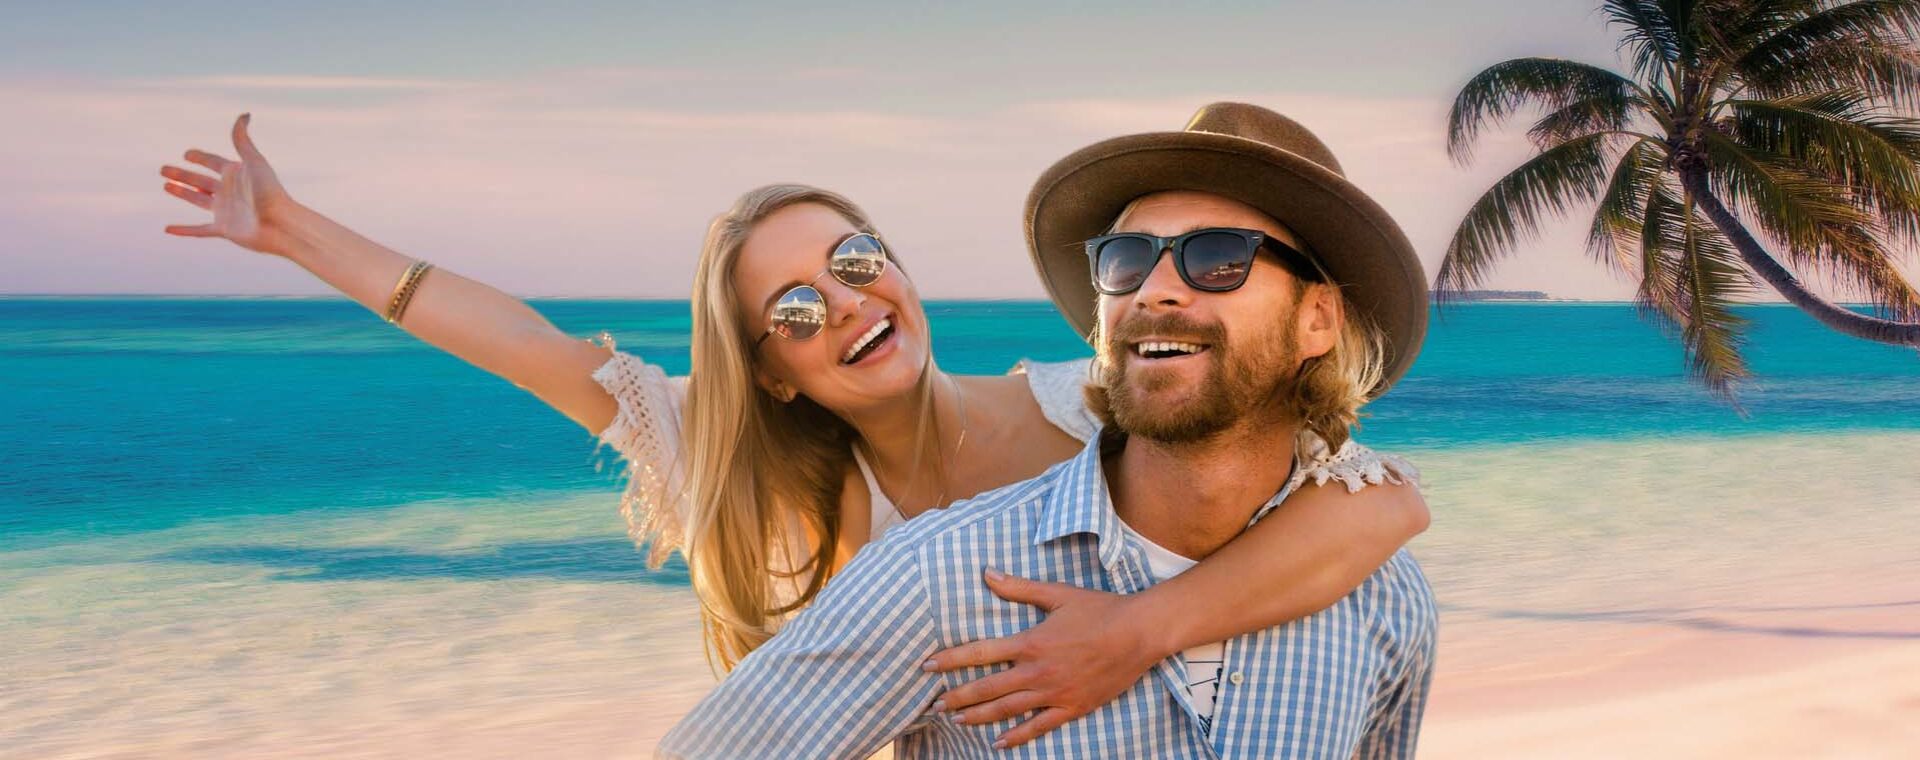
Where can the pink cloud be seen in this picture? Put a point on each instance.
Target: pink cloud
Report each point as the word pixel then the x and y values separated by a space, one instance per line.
pixel 566 183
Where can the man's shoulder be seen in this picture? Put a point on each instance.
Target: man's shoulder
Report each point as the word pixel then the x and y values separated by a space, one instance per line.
pixel 1400 601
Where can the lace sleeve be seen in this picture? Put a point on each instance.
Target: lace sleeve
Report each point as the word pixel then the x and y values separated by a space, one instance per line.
pixel 646 433
pixel 1354 465
pixel 1058 389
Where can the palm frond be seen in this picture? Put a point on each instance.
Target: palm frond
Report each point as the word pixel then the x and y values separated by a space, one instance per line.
pixel 1815 223
pixel 1496 92
pixel 1885 71
pixel 1657 296
pixel 1800 210
pixel 1689 30
pixel 1614 238
pixel 1745 24
pixel 1873 156
pixel 1610 111
pixel 1692 276
pixel 1550 183
pixel 1711 280
pixel 1881 22
pixel 1648 35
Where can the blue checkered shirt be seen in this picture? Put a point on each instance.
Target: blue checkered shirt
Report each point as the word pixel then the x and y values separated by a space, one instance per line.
pixel 844 677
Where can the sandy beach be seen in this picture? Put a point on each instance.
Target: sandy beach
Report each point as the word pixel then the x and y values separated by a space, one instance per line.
pixel 1738 610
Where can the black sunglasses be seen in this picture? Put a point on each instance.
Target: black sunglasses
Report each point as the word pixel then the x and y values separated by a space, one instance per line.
pixel 1213 259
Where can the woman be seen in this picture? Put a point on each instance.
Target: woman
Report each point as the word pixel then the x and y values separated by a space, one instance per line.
pixel 815 417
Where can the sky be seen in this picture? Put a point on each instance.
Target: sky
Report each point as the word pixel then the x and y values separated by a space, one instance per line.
pixel 580 149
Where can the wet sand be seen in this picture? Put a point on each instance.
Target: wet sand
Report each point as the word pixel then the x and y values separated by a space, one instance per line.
pixel 1747 597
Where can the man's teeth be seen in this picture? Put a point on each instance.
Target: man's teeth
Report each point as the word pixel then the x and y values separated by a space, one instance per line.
pixel 1166 346
pixel 873 332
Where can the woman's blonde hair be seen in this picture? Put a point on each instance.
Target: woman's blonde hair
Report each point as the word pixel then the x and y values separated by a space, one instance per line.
pixel 762 475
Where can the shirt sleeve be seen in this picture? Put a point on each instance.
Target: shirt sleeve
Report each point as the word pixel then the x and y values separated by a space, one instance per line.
pixel 1060 390
pixel 841 680
pixel 1394 730
pixel 645 432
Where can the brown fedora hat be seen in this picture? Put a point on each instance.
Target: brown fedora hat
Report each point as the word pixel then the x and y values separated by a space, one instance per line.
pixel 1254 156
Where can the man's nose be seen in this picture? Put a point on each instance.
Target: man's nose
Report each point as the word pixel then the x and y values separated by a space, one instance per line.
pixel 1163 287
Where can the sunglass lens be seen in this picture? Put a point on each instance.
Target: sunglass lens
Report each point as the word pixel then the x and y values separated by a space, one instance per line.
pixel 1122 263
pixel 859 261
pixel 799 314
pixel 1218 260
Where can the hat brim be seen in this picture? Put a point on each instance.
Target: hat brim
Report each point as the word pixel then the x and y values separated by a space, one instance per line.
pixel 1351 236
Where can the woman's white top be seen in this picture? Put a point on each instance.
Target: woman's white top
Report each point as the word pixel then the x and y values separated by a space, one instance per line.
pixel 646 433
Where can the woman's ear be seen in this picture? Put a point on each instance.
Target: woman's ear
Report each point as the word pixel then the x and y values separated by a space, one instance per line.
pixel 773 386
pixel 1318 320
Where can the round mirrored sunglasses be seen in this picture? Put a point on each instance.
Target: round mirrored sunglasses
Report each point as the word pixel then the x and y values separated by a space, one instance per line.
pixel 857 261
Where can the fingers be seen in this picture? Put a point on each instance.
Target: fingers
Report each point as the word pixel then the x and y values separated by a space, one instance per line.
pixel 984 690
pixel 1011 705
pixel 232 183
pixel 192 230
pixel 243 142
pixel 1042 594
pixel 982 652
pixel 197 180
pixel 1034 727
pixel 190 195
pixel 209 160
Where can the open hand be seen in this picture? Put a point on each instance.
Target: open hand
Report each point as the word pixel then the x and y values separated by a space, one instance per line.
pixel 245 196
pixel 1086 652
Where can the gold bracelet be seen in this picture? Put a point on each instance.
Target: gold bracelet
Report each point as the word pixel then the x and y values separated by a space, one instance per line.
pixel 403 292
pixel 413 286
pixel 393 301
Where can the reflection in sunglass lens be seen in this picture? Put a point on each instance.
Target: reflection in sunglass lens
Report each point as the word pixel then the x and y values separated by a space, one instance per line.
pixel 799 314
pixel 1218 260
pixel 1123 263
pixel 859 261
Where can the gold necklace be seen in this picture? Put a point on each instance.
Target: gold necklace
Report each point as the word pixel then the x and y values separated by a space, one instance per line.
pixel 960 398
pixel 958 443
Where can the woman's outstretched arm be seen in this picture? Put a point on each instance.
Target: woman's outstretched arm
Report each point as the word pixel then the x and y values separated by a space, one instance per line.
pixel 480 324
pixel 1311 550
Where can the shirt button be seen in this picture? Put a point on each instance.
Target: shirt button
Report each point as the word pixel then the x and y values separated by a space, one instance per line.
pixel 1236 679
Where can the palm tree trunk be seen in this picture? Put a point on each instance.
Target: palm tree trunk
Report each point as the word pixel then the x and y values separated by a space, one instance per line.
pixel 1841 320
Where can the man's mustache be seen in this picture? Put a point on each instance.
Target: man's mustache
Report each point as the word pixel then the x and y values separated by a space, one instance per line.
pixel 1166 327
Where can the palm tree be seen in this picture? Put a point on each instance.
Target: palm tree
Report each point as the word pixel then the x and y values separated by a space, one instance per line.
pixel 1743 121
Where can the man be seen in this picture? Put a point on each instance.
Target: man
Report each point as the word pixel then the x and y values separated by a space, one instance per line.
pixel 1247 295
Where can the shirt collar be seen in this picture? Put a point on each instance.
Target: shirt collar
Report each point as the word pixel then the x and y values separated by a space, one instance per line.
pixel 1079 502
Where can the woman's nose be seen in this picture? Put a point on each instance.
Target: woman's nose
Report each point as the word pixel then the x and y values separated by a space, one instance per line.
pixel 843 303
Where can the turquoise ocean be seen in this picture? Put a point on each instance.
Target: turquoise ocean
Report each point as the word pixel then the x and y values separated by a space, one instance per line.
pixel 231 524
pixel 134 415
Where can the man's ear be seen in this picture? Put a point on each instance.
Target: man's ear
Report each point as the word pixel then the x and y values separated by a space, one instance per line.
pixel 1318 320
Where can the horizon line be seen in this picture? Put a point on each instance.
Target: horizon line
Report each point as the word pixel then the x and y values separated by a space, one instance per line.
pixel 667 299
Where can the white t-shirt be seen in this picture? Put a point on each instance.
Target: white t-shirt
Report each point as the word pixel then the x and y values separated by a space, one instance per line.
pixel 1204 662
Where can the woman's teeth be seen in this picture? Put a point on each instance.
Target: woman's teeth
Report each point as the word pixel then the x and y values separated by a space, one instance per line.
pixel 1162 348
pixel 861 344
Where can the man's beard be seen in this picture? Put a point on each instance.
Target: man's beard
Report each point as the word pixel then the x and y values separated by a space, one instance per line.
pixel 1237 382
